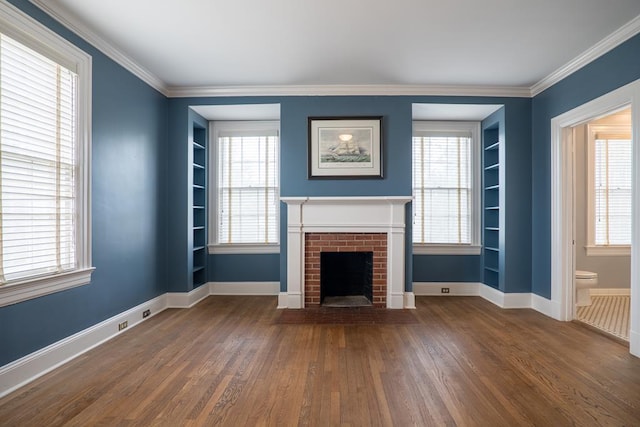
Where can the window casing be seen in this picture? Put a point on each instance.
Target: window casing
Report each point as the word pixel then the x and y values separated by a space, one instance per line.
pixel 609 153
pixel 45 98
pixel 446 188
pixel 245 187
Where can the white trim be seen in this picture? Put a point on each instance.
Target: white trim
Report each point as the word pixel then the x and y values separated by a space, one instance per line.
pixel 562 270
pixel 543 305
pixel 26 369
pixel 607 44
pixel 36 36
pixel 79 28
pixel 240 248
pixel 505 300
pixel 436 249
pixel 245 288
pixel 348 90
pixel 17 292
pixel 283 299
pixel 187 299
pixel 455 288
pixel 611 250
pixel 409 300
pixel 495 296
pixel 596 292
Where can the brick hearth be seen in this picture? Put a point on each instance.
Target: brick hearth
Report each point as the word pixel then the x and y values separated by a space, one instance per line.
pixel 315 243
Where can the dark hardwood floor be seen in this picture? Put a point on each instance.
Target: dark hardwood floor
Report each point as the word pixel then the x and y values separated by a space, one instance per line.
pixel 230 361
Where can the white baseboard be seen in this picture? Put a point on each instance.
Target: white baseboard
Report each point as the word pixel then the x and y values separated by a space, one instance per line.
pixel 187 299
pixel 409 300
pixel 26 369
pixel 495 296
pixel 597 292
pixel 543 305
pixel 244 288
pixel 634 343
pixel 283 299
pixel 455 288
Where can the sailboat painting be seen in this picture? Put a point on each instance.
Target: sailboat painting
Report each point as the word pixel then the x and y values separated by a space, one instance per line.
pixel 348 148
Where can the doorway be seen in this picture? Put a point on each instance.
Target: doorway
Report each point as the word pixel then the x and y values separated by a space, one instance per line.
pixel 562 197
pixel 602 222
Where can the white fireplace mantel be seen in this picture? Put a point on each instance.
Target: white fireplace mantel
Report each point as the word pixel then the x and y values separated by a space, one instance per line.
pixel 383 214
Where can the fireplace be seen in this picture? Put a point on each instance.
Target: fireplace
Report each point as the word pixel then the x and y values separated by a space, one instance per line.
pixel 317 244
pixel 345 224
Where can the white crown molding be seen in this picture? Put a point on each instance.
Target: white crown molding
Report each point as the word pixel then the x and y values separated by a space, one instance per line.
pixel 613 40
pixel 349 90
pixel 78 27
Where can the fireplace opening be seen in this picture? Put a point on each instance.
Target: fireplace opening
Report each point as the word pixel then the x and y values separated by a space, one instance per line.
pixel 346 279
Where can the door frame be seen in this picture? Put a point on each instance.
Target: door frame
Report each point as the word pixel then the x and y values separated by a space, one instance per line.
pixel 562 193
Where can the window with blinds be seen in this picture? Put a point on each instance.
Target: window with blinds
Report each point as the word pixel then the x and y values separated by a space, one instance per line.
pixel 44 161
pixel 444 188
pixel 247 183
pixel 612 171
pixel 37 145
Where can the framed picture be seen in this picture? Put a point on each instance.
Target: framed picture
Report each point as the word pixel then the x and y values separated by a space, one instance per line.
pixel 345 147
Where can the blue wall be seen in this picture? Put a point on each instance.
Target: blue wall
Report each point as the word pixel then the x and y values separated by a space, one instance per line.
pixel 397 129
pixel 611 71
pixel 128 226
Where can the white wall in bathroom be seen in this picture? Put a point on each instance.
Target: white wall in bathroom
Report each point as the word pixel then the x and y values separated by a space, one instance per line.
pixel 613 271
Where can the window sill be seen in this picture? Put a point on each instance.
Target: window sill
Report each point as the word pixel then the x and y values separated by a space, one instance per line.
pixel 613 250
pixel 13 293
pixel 244 249
pixel 447 249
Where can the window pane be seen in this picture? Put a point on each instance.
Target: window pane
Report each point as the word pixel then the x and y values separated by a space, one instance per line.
pixel 442 189
pixel 612 191
pixel 37 179
pixel 248 193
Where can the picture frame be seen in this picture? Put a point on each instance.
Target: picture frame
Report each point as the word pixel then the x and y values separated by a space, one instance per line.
pixel 345 147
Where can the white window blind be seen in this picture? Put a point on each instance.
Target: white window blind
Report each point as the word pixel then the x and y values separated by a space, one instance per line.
pixel 442 187
pixel 37 149
pixel 247 187
pixel 612 179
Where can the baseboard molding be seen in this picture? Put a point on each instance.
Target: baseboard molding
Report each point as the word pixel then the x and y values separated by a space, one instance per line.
pixel 495 296
pixel 599 292
pixel 244 288
pixel 28 368
pixel 409 300
pixel 634 343
pixel 543 305
pixel 187 299
pixel 455 288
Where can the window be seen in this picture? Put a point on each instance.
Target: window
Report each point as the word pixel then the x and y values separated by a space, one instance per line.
pixel 609 193
pixel 246 186
pixel 445 188
pixel 44 156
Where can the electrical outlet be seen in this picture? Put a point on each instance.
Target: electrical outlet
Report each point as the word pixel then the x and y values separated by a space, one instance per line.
pixel 123 325
pixel 444 290
pixel 146 313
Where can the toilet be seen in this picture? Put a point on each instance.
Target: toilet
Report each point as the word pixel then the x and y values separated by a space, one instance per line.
pixel 585 280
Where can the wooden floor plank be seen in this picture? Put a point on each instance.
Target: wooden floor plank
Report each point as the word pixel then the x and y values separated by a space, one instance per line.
pixel 230 361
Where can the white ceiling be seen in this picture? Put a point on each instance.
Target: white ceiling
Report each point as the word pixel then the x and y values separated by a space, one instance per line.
pixel 266 43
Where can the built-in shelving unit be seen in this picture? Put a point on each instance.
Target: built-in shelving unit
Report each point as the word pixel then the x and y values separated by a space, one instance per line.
pixel 198 208
pixel 491 196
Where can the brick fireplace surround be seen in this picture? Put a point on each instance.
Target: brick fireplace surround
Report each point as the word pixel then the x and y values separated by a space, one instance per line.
pixel 316 243
pixel 346 224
